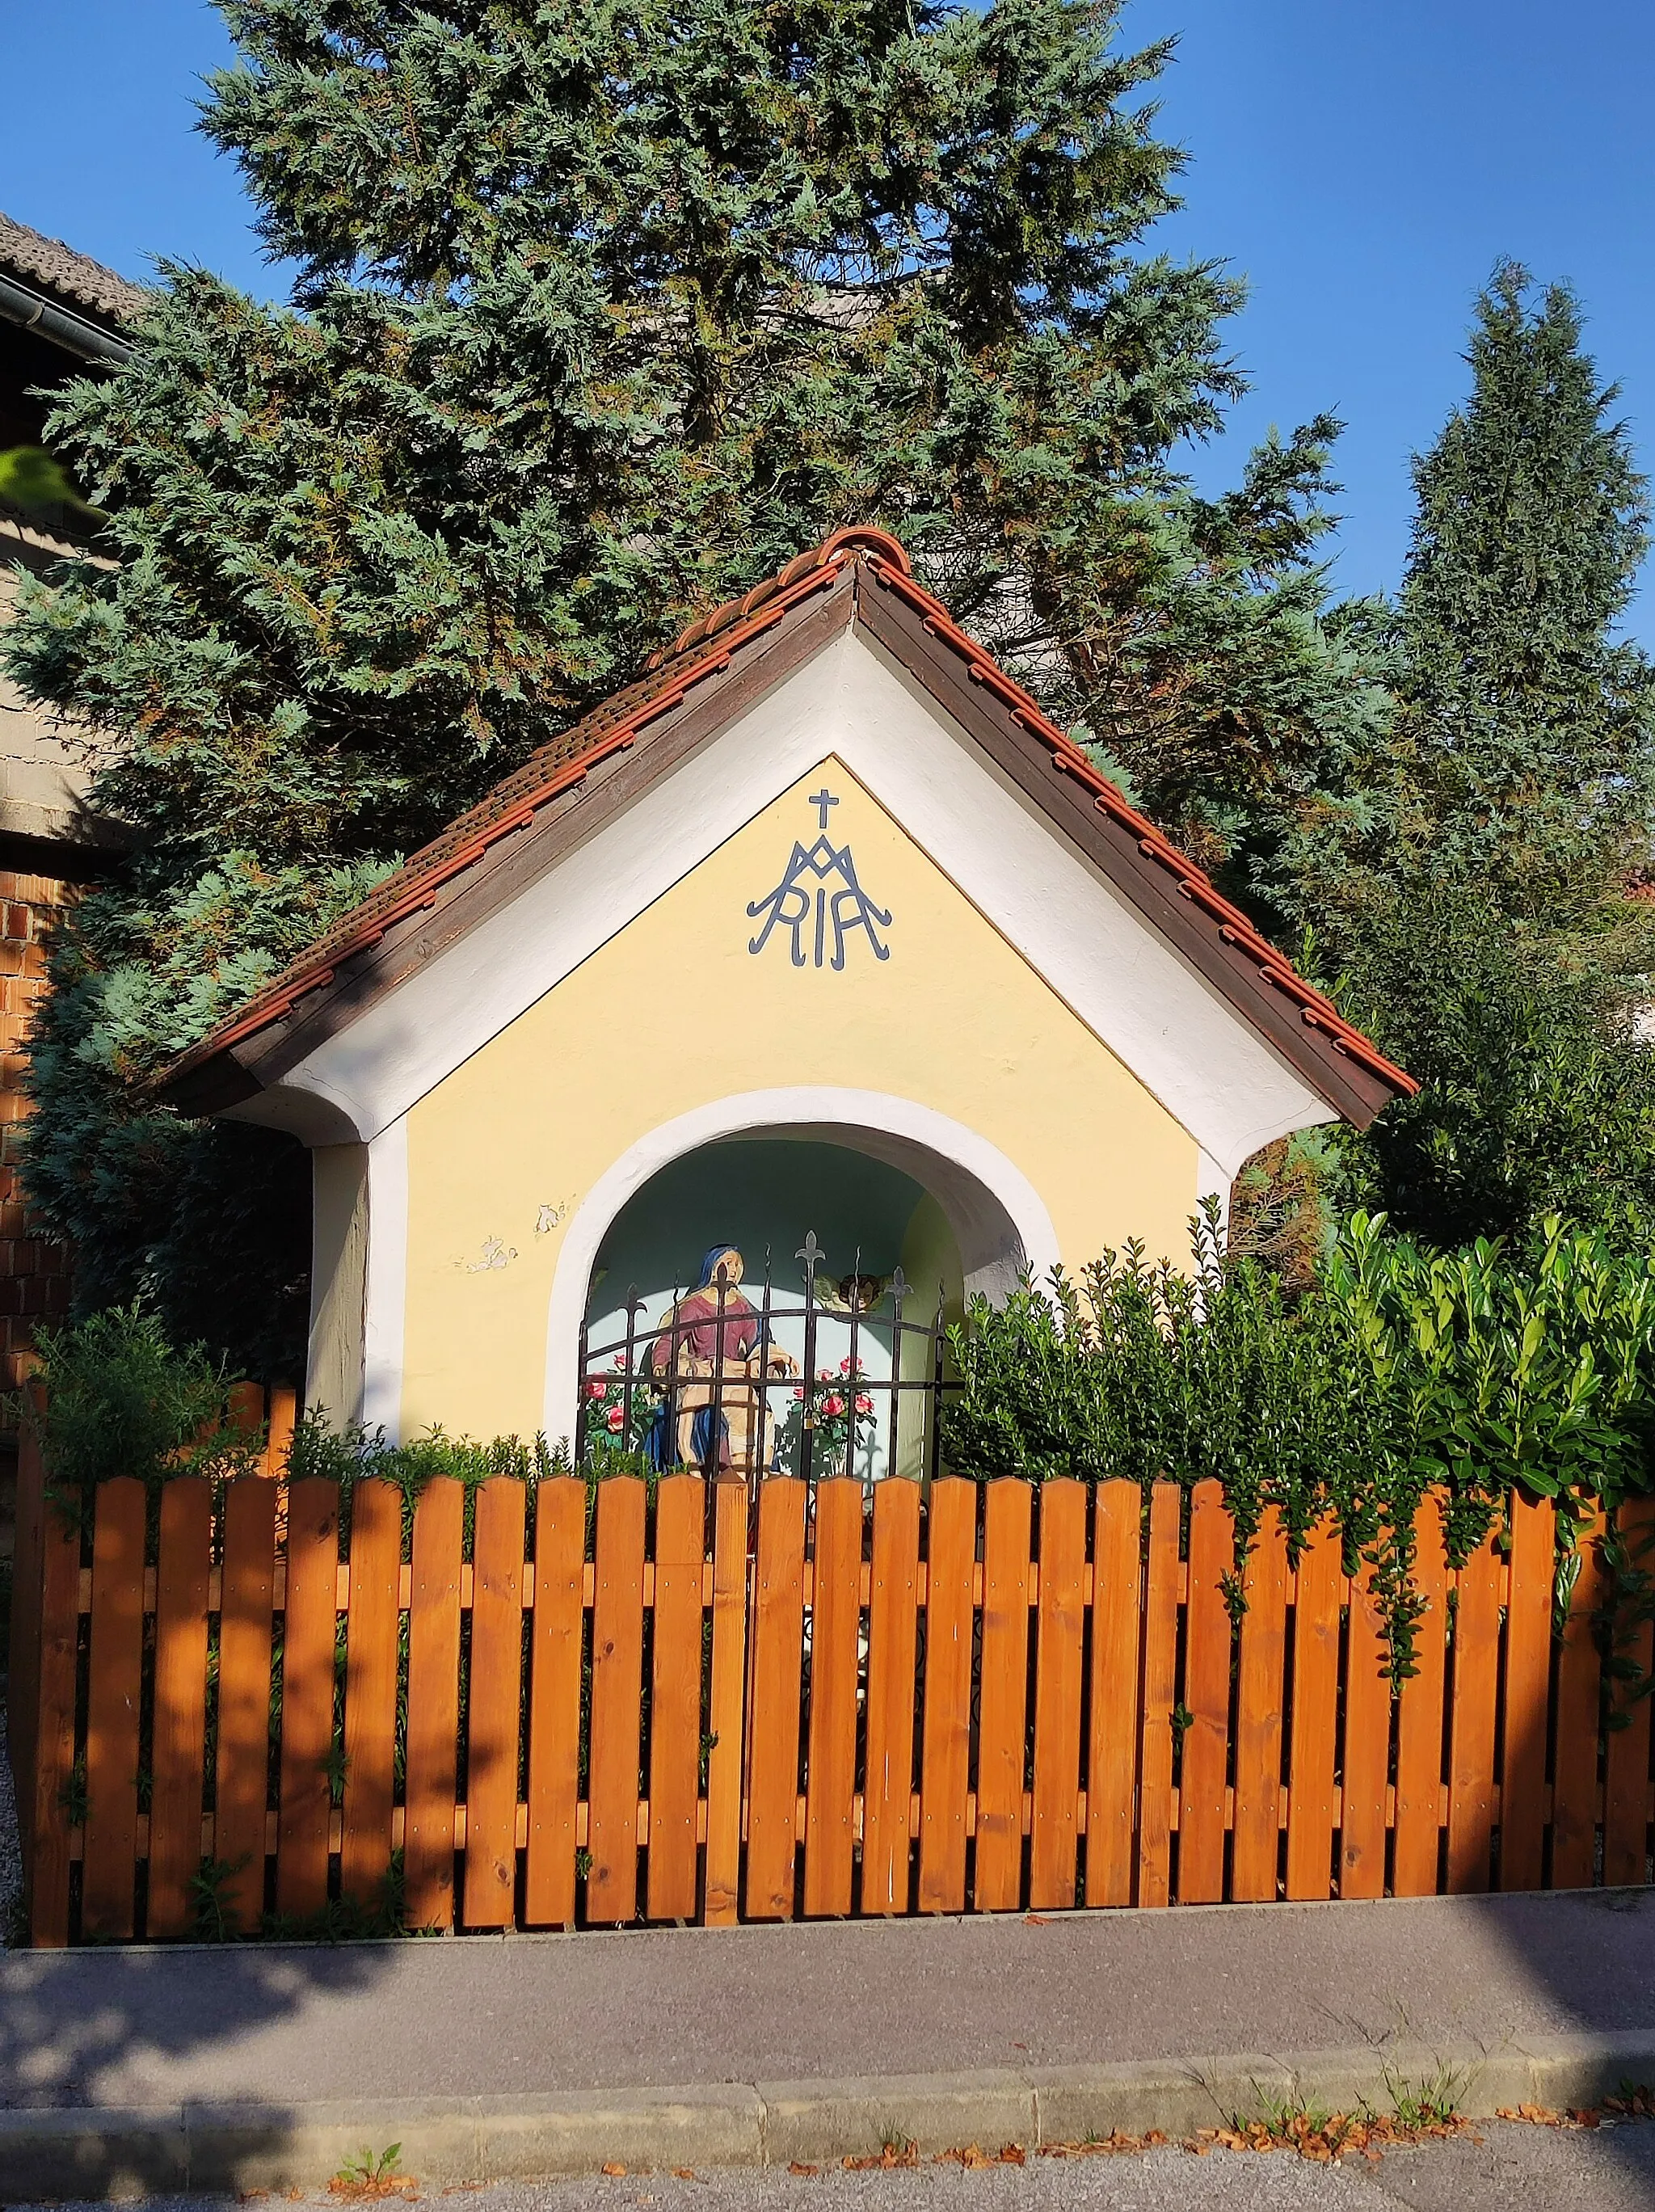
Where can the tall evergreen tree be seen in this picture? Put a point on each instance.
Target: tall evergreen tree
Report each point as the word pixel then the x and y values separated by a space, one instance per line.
pixel 603 313
pixel 1487 929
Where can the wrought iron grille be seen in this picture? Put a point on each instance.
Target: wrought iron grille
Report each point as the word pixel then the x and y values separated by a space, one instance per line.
pixel 723 1394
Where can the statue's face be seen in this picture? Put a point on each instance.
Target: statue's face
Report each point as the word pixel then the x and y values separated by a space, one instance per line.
pixel 729 1266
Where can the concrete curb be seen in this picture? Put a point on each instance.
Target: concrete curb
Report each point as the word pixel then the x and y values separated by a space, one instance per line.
pixel 94 2151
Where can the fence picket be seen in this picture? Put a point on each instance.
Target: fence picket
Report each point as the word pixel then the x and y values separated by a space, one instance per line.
pixel 432 1765
pixel 1579 1684
pixel 1260 1686
pixel 23 1655
pixel 945 1767
pixel 53 1738
pixel 1007 1528
pixel 495 1690
pixel 617 1689
pixel 1419 1719
pixel 1528 1686
pixel 178 1760
pixel 1160 1696
pixel 307 1648
pixel 1113 1753
pixel 1626 1786
pixel 1054 1837
pixel 1365 1751
pixel 371 1636
pixel 242 1776
pixel 559 1634
pixel 725 1757
pixel 1315 1713
pixel 1471 1720
pixel 109 1870
pixel 893 1623
pixel 675 1754
pixel 835 1628
pixel 1208 1653
pixel 778 1660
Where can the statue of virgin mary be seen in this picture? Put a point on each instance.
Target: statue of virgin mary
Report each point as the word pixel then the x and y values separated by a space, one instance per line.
pixel 712 1344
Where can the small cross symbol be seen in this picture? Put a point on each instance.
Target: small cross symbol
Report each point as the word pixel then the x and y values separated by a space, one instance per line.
pixel 822 801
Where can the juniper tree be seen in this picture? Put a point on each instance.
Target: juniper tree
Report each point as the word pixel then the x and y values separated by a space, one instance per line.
pixel 603 314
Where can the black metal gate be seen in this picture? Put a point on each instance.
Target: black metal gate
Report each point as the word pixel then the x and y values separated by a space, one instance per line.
pixel 711 1386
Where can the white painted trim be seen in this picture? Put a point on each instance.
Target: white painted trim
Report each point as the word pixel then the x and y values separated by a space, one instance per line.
pixel 998 1217
pixel 387 1281
pixel 1218 1077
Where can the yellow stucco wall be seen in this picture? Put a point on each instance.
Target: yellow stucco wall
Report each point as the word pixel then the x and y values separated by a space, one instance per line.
pixel 504 1149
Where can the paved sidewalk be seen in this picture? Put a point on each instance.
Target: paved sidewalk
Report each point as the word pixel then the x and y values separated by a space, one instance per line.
pixel 653 2008
pixel 263 2065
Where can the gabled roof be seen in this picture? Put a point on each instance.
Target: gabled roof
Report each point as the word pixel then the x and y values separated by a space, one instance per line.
pixel 711 674
pixel 63 274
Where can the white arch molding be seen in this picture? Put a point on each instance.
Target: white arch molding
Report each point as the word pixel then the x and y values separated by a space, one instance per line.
pixel 998 1218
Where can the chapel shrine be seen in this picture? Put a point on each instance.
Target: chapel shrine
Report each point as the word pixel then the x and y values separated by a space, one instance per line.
pixel 677 1098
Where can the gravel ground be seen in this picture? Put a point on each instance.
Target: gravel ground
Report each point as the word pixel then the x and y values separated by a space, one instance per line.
pixel 1541 2169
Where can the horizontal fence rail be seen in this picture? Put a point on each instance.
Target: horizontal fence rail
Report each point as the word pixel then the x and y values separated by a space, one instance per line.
pixel 584 1705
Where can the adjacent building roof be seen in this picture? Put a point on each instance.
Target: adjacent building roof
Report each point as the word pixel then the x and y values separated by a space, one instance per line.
pixel 709 675
pixel 58 271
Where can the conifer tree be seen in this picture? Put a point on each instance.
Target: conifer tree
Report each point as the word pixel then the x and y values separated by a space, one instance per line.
pixel 603 313
pixel 1488 931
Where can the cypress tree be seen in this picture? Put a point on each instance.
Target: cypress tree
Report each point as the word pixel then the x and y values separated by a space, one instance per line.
pixel 1491 942
pixel 603 314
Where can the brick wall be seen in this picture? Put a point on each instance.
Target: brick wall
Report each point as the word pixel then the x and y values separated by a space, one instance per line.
pixel 33 1272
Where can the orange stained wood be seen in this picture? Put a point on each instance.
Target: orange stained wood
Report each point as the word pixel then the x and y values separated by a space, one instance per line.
pixel 370 1638
pixel 1320 1590
pixel 1112 1761
pixel 307 1640
pixel 1471 1721
pixel 54 1736
pixel 109 1870
pixel 496 1688
pixel 777 1657
pixel 675 1757
pixel 1579 1682
pixel 554 1701
pixel 242 1780
pixel 893 1622
pixel 434 1708
pixel 1261 1664
pixel 282 1416
pixel 1528 1686
pixel 726 1702
pixel 1626 1796
pixel 1054 1838
pixel 24 1654
pixel 1007 1530
pixel 617 1692
pixel 1364 1753
pixel 1160 1695
pixel 945 1767
pixel 1420 1718
pixel 1210 1635
pixel 179 1753
pixel 835 1628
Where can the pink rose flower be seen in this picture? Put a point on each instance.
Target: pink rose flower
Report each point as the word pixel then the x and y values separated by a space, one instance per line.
pixel 864 1405
pixel 616 1419
pixel 834 1406
pixel 595 1387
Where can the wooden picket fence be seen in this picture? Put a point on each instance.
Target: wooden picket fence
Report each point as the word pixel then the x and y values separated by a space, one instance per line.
pixel 561 1711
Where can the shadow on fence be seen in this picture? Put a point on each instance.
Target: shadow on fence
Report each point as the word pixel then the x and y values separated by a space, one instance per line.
pixel 564 1707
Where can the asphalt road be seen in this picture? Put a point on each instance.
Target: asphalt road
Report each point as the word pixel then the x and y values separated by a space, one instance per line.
pixel 1538 2169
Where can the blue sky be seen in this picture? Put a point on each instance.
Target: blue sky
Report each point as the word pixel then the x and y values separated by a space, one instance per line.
pixel 1362 162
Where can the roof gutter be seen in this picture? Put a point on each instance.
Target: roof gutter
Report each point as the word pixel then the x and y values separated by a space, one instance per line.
pixel 21 303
